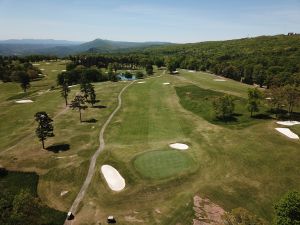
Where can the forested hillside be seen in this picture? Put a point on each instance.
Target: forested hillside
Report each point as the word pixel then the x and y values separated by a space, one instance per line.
pixel 266 60
pixel 263 60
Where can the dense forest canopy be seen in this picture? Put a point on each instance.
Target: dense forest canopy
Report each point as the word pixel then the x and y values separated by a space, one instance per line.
pixel 263 60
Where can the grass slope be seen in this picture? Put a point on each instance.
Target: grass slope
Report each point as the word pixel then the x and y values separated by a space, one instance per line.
pixel 200 102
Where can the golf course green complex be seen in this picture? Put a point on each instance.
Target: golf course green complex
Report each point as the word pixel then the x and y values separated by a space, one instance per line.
pixel 162 164
pixel 243 162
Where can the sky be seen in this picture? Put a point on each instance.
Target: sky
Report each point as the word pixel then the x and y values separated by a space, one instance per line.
pixel 178 21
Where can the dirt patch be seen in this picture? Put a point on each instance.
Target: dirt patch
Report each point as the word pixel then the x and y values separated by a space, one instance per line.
pixel 157 211
pixel 207 212
pixel 63 193
pixel 133 219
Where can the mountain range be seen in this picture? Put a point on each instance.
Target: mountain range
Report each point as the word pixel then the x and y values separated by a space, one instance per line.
pixel 22 47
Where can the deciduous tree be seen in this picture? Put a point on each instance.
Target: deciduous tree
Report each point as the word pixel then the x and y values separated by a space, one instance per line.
pixel 292 96
pixel 26 209
pixel 254 97
pixel 287 210
pixel 149 69
pixel 224 106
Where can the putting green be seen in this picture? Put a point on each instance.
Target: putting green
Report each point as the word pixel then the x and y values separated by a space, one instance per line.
pixel 163 164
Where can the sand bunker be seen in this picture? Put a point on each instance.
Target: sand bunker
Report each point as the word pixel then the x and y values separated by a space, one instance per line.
pixel 47 63
pixel 166 83
pixel 24 101
pixel 141 82
pixel 288 123
pixel 113 178
pixel 219 80
pixel 192 71
pixel 63 70
pixel 179 146
pixel 42 69
pixel 35 64
pixel 287 132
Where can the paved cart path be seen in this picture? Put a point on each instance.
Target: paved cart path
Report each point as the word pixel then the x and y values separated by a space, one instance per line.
pixel 92 166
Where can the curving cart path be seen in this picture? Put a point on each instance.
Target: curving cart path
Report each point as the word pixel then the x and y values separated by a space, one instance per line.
pixel 92 166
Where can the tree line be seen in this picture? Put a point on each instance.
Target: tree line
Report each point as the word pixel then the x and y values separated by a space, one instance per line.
pixel 277 98
pixel 266 61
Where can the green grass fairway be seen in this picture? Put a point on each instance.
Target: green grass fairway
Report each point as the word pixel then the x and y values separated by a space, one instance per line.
pixel 249 167
pixel 20 150
pixel 206 81
pixel 200 102
pixel 163 164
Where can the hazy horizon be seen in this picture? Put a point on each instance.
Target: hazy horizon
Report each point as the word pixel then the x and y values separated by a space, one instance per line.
pixel 142 21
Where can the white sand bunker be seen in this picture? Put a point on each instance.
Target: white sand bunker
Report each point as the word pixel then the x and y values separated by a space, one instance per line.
pixel 192 71
pixel 219 80
pixel 42 69
pixel 24 101
pixel 179 146
pixel 113 178
pixel 167 83
pixel 288 123
pixel 287 132
pixel 47 63
pixel 35 64
pixel 63 70
pixel 141 82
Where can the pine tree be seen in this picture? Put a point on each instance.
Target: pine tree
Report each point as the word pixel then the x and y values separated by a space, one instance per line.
pixel 45 127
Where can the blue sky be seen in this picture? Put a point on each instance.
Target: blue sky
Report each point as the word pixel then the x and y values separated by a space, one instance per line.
pixel 138 20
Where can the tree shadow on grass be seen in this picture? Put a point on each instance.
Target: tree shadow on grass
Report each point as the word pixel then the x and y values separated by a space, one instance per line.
pixel 3 172
pixel 99 106
pixel 236 114
pixel 262 116
pixel 227 119
pixel 292 116
pixel 21 95
pixel 93 120
pixel 56 148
